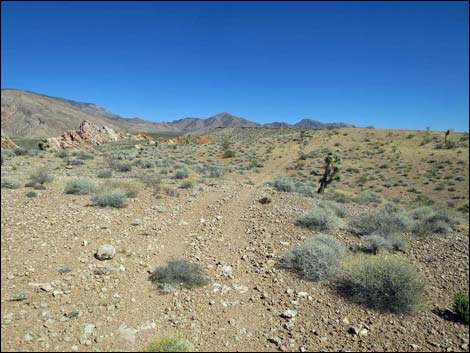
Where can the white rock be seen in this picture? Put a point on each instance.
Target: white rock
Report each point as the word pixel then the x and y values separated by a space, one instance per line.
pixel 105 252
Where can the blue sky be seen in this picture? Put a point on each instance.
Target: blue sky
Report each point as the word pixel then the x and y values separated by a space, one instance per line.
pixel 387 64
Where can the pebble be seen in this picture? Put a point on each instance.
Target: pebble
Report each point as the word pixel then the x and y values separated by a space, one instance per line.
pixel 105 252
pixel 289 314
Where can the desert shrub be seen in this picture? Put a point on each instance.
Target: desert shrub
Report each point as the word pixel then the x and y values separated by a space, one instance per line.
pixel 188 184
pixel 116 199
pixel 337 196
pixel 104 173
pixel 179 273
pixel 320 219
pixel 390 242
pixel 229 154
pixel 367 196
pixel 86 155
pixel 31 194
pixel 79 187
pixel 181 174
pixel 73 161
pixel 123 167
pixel 337 209
pixel 173 192
pixel 461 307
pixel 431 221
pixel 152 181
pixel 389 220
pixel 131 190
pixel 10 183
pixel 316 258
pixel 40 177
pixel 168 344
pixel 284 184
pixel 305 189
pixel 215 172
pixel 387 283
pixel 20 151
pixel 62 154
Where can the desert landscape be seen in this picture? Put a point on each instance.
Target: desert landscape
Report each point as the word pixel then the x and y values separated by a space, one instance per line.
pixel 221 176
pixel 86 227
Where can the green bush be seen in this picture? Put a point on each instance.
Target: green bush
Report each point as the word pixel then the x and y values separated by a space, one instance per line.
pixel 316 258
pixel 62 154
pixel 181 173
pixel 336 208
pixel 461 307
pixel 73 161
pixel 179 273
pixel 389 220
pixel 229 154
pixel 40 177
pixel 431 221
pixel 387 283
pixel 305 189
pixel 10 183
pixel 366 197
pixel 129 189
pixel 168 344
pixel 284 184
pixel 104 173
pixel 20 151
pixel 31 194
pixel 391 242
pixel 116 199
pixel 215 172
pixel 123 167
pixel 79 187
pixel 320 219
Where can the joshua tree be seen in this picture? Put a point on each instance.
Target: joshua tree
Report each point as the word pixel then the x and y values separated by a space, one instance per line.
pixel 43 145
pixel 447 135
pixel 331 171
pixel 302 134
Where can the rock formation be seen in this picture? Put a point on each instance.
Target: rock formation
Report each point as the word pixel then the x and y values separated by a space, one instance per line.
pixel 87 135
pixel 6 142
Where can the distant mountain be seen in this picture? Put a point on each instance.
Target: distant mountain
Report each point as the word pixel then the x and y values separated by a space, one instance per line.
pixel 30 115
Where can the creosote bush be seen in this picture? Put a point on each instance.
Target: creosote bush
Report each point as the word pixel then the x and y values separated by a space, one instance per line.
pixel 376 243
pixel 128 188
pixel 116 199
pixel 179 273
pixel 366 197
pixel 387 283
pixel 79 187
pixel 316 258
pixel 169 344
pixel 181 174
pixel 321 219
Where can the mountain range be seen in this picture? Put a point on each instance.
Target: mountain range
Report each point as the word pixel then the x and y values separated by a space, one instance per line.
pixel 26 114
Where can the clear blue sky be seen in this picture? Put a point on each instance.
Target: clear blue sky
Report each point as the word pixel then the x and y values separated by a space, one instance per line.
pixel 387 64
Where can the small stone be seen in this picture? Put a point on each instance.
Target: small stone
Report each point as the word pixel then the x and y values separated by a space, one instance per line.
pixel 464 346
pixel 227 269
pixel 88 330
pixel 105 252
pixel 363 332
pixel 346 321
pixel 84 243
pixel 289 314
pixel 18 297
pixel 47 287
pixel 28 337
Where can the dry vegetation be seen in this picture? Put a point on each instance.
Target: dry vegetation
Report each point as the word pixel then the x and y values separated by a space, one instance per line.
pixel 201 264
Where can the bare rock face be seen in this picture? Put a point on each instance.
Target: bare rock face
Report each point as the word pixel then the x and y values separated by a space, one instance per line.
pixel 87 135
pixel 6 142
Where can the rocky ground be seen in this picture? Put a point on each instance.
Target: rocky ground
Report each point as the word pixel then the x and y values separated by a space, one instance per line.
pixel 57 296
